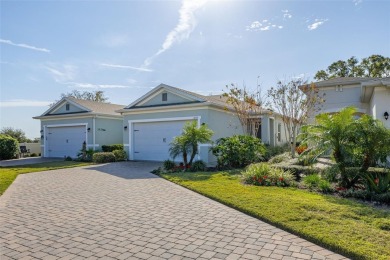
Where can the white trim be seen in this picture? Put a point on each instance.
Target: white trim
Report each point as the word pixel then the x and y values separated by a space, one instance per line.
pixel 62 125
pixel 125 145
pixel 174 108
pixel 150 97
pixel 42 145
pixel 45 153
pixel 78 116
pixel 205 145
pixel 169 119
pixel 93 145
pixel 94 132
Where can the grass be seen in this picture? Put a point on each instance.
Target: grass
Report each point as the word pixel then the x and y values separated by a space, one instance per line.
pixel 347 227
pixel 9 174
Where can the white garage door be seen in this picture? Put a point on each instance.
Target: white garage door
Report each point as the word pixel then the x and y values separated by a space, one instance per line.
pixel 65 141
pixel 151 140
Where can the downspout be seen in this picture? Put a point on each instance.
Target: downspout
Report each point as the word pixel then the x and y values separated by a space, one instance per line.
pixel 94 132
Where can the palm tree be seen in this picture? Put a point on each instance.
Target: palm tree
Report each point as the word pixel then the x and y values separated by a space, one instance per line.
pixel 188 142
pixel 331 132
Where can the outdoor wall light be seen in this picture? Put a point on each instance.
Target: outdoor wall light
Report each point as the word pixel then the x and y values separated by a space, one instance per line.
pixel 386 115
pixel 89 129
pixel 41 131
pixel 125 128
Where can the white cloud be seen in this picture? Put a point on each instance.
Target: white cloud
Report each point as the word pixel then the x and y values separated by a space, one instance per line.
pixel 357 2
pixel 62 73
pixel 143 69
pixel 24 103
pixel 264 26
pixel 182 31
pixel 316 24
pixel 23 45
pixel 286 14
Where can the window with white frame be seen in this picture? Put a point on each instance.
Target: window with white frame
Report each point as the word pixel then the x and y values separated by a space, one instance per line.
pixel 279 132
pixel 164 96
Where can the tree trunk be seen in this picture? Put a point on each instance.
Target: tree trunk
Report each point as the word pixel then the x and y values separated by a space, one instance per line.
pixel 194 152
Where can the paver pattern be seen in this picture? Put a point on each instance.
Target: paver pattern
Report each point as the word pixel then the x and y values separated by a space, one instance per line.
pixel 121 211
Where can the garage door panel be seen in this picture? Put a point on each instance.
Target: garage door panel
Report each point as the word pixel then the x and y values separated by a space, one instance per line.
pixel 65 141
pixel 152 140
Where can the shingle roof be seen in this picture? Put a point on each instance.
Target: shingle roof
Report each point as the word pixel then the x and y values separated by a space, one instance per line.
pixel 342 80
pixel 98 107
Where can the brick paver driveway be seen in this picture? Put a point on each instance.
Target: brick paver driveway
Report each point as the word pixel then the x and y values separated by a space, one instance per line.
pixel 120 211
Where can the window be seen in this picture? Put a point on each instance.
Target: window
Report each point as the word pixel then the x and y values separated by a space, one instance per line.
pixel 279 132
pixel 67 107
pixel 339 88
pixel 164 96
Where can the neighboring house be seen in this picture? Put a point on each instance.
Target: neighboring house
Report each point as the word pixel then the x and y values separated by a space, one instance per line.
pixel 70 122
pixel 369 95
pixel 151 122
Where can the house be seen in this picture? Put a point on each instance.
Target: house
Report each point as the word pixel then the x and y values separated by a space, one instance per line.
pixel 70 122
pixel 151 122
pixel 369 95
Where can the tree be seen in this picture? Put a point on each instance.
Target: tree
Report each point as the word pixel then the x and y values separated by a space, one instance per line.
pixel 187 143
pixel 18 134
pixel 375 66
pixel 8 147
pixel 97 96
pixel 247 107
pixel 330 132
pixel 294 101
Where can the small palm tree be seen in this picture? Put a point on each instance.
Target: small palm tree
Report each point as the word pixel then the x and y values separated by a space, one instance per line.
pixel 187 143
pixel 331 132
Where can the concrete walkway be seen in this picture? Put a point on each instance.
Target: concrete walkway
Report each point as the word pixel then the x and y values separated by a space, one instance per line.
pixel 29 160
pixel 120 211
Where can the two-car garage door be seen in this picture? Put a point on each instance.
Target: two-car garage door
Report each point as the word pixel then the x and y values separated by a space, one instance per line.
pixel 65 141
pixel 152 139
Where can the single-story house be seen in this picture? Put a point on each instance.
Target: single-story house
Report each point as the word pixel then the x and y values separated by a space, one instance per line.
pixel 70 122
pixel 369 95
pixel 151 122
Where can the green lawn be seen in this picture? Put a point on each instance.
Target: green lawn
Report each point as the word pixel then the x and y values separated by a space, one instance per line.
pixel 9 174
pixel 347 227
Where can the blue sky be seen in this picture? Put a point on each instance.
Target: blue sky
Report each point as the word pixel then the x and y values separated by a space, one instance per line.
pixel 125 48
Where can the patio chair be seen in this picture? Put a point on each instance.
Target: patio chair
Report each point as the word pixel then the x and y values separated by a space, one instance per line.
pixel 24 150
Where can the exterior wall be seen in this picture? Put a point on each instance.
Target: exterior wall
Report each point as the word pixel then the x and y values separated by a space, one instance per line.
pixel 171 99
pixel 62 109
pixel 337 100
pixel 108 131
pixel 222 123
pixel 380 103
pixel 33 147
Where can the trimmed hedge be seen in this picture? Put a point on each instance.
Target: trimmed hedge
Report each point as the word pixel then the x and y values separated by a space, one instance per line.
pixel 103 157
pixel 120 155
pixel 112 147
pixel 8 147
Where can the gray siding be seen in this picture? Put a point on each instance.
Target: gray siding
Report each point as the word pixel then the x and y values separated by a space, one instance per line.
pixel 171 99
pixel 62 109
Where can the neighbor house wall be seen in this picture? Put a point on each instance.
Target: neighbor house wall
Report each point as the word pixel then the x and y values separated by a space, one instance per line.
pixel 380 103
pixel 335 100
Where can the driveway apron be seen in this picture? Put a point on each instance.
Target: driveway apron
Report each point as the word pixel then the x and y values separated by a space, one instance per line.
pixel 121 211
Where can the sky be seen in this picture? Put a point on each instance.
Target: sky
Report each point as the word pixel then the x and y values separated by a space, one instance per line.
pixel 126 48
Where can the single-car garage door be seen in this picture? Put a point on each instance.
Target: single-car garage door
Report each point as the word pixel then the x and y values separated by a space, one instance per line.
pixel 152 139
pixel 65 141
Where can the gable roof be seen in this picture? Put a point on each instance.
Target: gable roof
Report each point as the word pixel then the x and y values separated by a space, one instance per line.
pixel 342 81
pixel 88 107
pixel 212 100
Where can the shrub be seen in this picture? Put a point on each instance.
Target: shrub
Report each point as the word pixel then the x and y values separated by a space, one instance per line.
pixel 238 151
pixel 33 155
pixel 279 158
pixel 103 157
pixel 300 149
pixel 8 147
pixel 265 175
pixel 312 181
pixel 68 158
pixel 297 170
pixel 366 195
pixel 331 173
pixel 112 147
pixel 272 151
pixel 198 166
pixel 120 155
pixel 325 186
pixel 168 165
